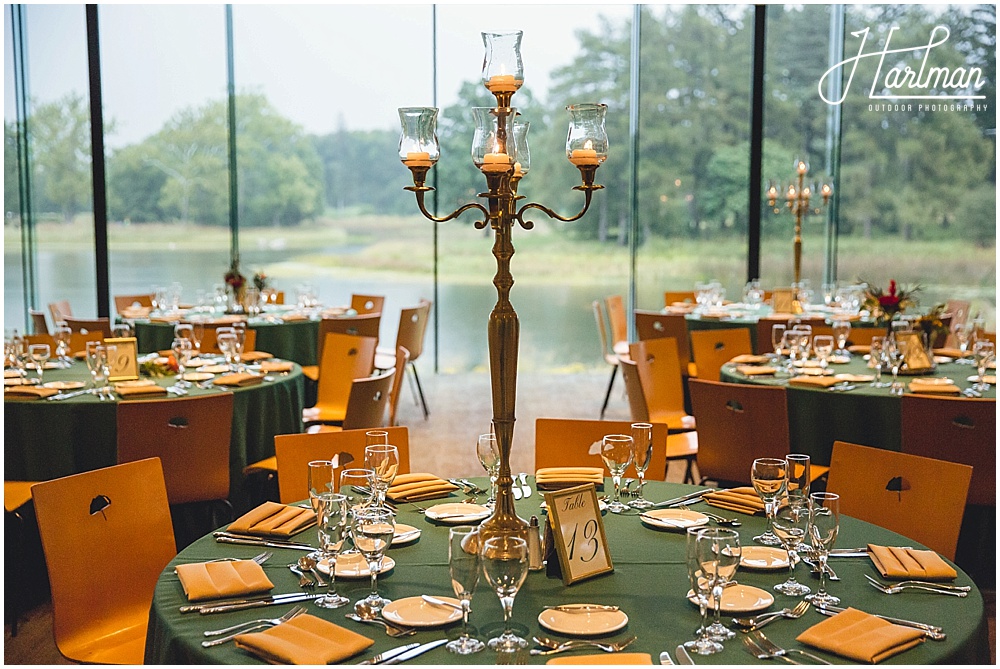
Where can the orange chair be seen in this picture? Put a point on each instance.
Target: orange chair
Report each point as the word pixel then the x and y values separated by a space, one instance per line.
pixel 38 322
pixel 366 325
pixel 609 356
pixel 102 325
pixel 367 304
pixel 410 335
pixel 618 322
pixel 123 302
pixel 345 358
pixel 368 401
pixel 959 310
pixel 764 327
pixel 566 442
pixel 638 409
pixel 107 536
pixel 654 325
pixel 210 340
pixel 658 365
pixel 671 296
pixel 402 358
pixel 712 349
pixel 60 309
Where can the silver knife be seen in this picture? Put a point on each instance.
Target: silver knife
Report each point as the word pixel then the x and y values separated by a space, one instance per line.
pixel 268 601
pixel 193 608
pixel 691 495
pixel 931 631
pixel 682 656
pixel 389 654
pixel 525 488
pixel 414 652
pixel 665 658
pixel 262 542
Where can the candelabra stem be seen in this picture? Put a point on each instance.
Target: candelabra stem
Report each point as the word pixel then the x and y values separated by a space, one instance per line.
pixel 798 232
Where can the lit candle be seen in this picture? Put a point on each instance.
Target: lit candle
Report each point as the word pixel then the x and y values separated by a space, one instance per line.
pixel 517 170
pixel 502 83
pixel 584 156
pixel 417 159
pixel 496 162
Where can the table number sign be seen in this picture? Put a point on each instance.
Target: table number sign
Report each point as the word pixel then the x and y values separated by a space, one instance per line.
pixel 125 366
pixel 577 533
pixel 915 358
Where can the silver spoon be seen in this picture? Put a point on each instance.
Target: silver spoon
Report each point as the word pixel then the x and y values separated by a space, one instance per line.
pixel 308 563
pixel 363 612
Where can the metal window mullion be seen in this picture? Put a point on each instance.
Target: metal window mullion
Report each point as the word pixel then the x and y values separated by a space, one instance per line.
pixel 98 173
pixel 22 103
pixel 234 226
pixel 756 142
pixel 633 131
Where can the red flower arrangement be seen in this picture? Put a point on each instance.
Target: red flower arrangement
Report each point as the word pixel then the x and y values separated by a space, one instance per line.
pixel 884 307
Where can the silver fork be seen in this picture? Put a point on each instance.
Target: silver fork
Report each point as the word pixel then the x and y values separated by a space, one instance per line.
pixel 294 611
pixel 304 581
pixel 256 625
pixel 553 647
pixel 749 624
pixel 895 589
pixel 940 586
pixel 761 654
pixel 772 648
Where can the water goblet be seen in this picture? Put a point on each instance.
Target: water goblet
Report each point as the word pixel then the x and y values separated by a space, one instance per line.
pixel 616 451
pixel 777 337
pixel 91 357
pixel 963 334
pixel 463 566
pixel 823 346
pixel 356 485
pixel 63 337
pixel 372 531
pixel 181 348
pixel 375 437
pixel 791 525
pixel 719 555
pixel 789 342
pixel 505 566
pixel 770 480
pixel 799 479
pixel 876 358
pixel 983 352
pixel 105 359
pixel 40 354
pixel 704 644
pixel 896 352
pixel 240 330
pixel 841 331
pixel 320 481
pixel 160 299
pixel 802 337
pixel 489 457
pixel 331 517
pixel 824 524
pixel 227 344
pixel 642 452
pixel 383 460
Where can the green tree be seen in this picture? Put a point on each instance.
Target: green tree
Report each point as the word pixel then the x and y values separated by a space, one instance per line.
pixel 11 183
pixel 59 134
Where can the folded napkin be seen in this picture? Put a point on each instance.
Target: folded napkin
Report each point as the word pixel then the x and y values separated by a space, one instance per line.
pixel 169 318
pixel 28 392
pixel 814 381
pixel 291 317
pixel 147 390
pixel 952 352
pixel 304 639
pixel 933 387
pixel 859 348
pixel 903 563
pixel 136 312
pixel 861 637
pixel 271 519
pixel 251 356
pixel 415 487
pixel 11 374
pixel 240 379
pixel 602 658
pixel 213 580
pixel 742 500
pixel 747 359
pixel 272 366
pixel 755 370
pixel 225 320
pixel 554 478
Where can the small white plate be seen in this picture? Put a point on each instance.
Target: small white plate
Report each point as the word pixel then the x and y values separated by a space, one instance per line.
pixel 214 369
pixel 739 599
pixel 855 378
pixel 415 612
pixel 457 513
pixel 673 519
pixel 582 623
pixel 198 376
pixel 765 558
pixel 839 359
pixel 63 385
pixel 197 362
pixel 404 534
pixel 987 378
pixel 354 565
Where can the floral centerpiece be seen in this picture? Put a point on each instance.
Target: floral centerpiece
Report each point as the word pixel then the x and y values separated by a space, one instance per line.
pixel 236 282
pixel 158 367
pixel 884 307
pixel 261 280
pixel 933 327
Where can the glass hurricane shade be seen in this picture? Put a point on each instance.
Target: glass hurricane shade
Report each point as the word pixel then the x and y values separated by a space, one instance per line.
pixel 503 71
pixel 418 143
pixel 587 141
pixel 493 145
pixel 523 157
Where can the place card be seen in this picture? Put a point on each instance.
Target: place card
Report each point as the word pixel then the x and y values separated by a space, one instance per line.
pixel 125 365
pixel 576 530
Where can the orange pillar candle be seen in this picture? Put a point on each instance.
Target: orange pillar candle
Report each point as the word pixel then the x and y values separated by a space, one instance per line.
pixel 496 162
pixel 583 157
pixel 502 83
pixel 418 159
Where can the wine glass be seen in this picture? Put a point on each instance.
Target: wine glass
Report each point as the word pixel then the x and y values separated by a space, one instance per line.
pixel 719 555
pixel 383 460
pixel 824 523
pixel 181 348
pixel 777 337
pixel 983 352
pixel 63 336
pixel 375 437
pixel 841 331
pixel 803 336
pixel 770 480
pixel 464 569
pixel 489 456
pixel 331 517
pixel 642 452
pixel 505 565
pixel 963 333
pixel 799 479
pixel 791 525
pixel 823 345
pixel 91 357
pixel 895 349
pixel 320 480
pixel 227 344
pixel 105 356
pixel 240 330
pixel 789 342
pixel 876 358
pixel 616 451
pixel 373 529
pixel 356 484
pixel 40 354
pixel 700 586
pixel 197 334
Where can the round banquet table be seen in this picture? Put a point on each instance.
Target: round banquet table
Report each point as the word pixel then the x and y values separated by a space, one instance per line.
pixel 649 583
pixel 47 439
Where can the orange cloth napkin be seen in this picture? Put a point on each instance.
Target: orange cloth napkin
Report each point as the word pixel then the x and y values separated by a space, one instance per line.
pixel 251 356
pixel 604 658
pixel 231 578
pixel 28 392
pixel 813 381
pixel 903 563
pixel 754 370
pixel 859 348
pixel 225 320
pixel 271 519
pixel 240 380
pixel 415 487
pixel 136 312
pixel 861 637
pixel 952 352
pixel 304 639
pixel 555 478
pixel 139 391
pixel 273 366
pixel 742 500
pixel 292 317
pixel 933 387
pixel 747 359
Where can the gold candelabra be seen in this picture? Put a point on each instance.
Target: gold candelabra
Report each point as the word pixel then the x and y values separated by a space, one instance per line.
pixel 797 197
pixel 500 152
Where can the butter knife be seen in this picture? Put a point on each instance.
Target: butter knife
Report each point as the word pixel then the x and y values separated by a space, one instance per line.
pixel 262 542
pixel 193 608
pixel 580 608
pixel 389 654
pixel 682 498
pixel 414 652
pixel 683 657
pixel 931 631
pixel 257 603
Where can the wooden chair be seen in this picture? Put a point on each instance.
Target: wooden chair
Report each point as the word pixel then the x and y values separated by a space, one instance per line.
pixel 38 323
pixel 654 325
pixel 368 401
pixel 345 358
pixel 102 325
pixel 955 429
pixel 293 451
pixel 863 336
pixel 210 340
pixel 609 355
pixel 712 349
pixel 59 310
pixel 123 302
pixel 959 310
pixel 16 496
pixel 107 536
pixel 671 296
pixel 77 340
pixel 920 498
pixel 565 442
pixel 764 326
pixel 366 325
pixel 367 304
pixel 402 358
pixel 410 335
pixel 618 323
pixel 638 410
pixel 658 365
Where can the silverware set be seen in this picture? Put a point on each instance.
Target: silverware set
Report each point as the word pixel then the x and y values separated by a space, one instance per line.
pixel 763 648
pixel 551 647
pixel 902 586
pixel 467 487
pixel 391 629
pixel 750 624
pixel 249 626
pixel 930 631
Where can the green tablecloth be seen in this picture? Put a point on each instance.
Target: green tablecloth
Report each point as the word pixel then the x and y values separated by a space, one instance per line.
pixel 649 584
pixel 294 341
pixel 46 439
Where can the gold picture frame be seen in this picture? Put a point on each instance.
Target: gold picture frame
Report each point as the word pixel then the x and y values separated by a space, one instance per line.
pixel 915 358
pixel 125 365
pixel 574 517
pixel 783 300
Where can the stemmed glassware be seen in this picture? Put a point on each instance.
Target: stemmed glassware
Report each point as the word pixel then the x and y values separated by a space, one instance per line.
pixel 489 457
pixel 355 480
pixel 182 352
pixel 197 334
pixel 876 357
pixel 895 349
pixel 505 566
pixel 227 344
pixel 799 479
pixel 40 354
pixel 983 352
pixel 616 451
pixel 841 331
pixel 99 357
pixel 823 345
pixel 240 330
pixel 383 460
pixel 642 452
pixel 791 525
pixel 777 338
pixel 963 333
pixel 184 331
pixel 701 587
pixel 372 530
pixel 332 516
pixel 770 480
pixel 63 336
pixel 464 569
pixel 320 480
pixel 376 437
pixel 824 524
pixel 719 555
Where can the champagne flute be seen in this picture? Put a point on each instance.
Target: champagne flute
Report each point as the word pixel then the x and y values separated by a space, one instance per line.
pixel 320 481
pixel 106 360
pixel 897 355
pixel 197 334
pixel 799 478
pixel 489 457
pixel 719 555
pixel 963 332
pixel 777 336
pixel 464 569
pixel 40 354
pixel 383 460
pixel 91 358
pixel 984 352
pixel 770 480
pixel 63 336
pixel 824 524
pixel 505 565
pixel 331 516
pixel 841 331
pixel 700 586
pixel 616 451
pixel 240 330
pixel 823 345
pixel 791 525
pixel 642 452
pixel 373 529
pixel 375 437
pixel 876 356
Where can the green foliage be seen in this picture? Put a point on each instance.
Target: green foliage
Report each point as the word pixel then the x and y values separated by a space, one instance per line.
pixel 59 136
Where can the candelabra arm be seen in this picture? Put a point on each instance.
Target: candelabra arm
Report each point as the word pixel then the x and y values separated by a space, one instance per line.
pixel 420 190
pixel 528 225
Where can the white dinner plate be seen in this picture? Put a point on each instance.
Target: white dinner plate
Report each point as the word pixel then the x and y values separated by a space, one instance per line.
pixel 678 520
pixel 198 376
pixel 739 599
pixel 415 612
pixel 63 385
pixel 197 362
pixel 765 558
pixel 457 513
pixel 987 378
pixel 582 623
pixel 855 378
pixel 354 565
pixel 839 359
pixel 214 369
pixel 404 534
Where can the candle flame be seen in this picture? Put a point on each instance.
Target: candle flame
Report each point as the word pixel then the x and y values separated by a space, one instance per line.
pixel 589 145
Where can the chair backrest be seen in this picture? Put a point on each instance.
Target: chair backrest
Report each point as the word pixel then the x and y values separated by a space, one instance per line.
pixel 959 310
pixel 345 358
pixel 123 302
pixel 38 323
pixel 654 325
pixel 863 336
pixel 920 498
pixel 567 442
pixel 210 340
pixel 367 304
pixel 602 329
pixel 363 325
pixel 737 424
pixel 957 430
pixel 368 401
pixel 272 296
pixel 59 310
pixel 638 409
pixel 294 451
pixel 402 358
pixel 413 327
pixel 190 436
pixel 712 349
pixel 764 327
pixel 660 375
pixel 107 536
pixel 617 319
pixel 671 296
pixel 102 325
